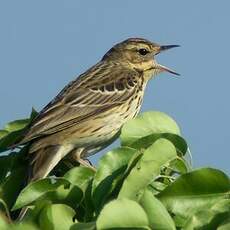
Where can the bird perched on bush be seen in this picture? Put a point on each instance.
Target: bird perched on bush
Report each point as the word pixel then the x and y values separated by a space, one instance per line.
pixel 89 112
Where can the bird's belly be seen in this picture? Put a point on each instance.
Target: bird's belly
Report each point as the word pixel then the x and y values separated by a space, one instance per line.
pixel 97 130
pixel 106 125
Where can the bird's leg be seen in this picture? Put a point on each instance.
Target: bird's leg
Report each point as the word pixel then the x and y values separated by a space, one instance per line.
pixel 76 155
pixel 87 164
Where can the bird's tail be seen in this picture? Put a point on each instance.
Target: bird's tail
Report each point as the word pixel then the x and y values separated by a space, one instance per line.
pixel 41 163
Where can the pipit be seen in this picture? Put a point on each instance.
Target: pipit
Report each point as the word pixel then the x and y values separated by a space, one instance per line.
pixel 90 111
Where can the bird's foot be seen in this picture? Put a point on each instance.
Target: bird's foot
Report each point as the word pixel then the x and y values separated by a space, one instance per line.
pixel 87 163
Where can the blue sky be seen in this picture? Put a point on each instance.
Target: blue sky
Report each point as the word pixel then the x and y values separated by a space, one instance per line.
pixel 45 44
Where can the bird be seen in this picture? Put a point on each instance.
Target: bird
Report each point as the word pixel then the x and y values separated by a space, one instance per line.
pixel 89 112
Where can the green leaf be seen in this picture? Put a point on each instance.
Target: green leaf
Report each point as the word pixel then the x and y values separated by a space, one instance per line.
pixel 158 216
pixel 84 226
pixel 80 176
pixel 9 163
pixel 32 214
pixel 110 166
pixel 5 166
pixel 3 222
pixel 122 213
pixel 33 114
pixel 23 226
pixel 14 131
pixel 111 162
pixel 147 168
pixel 4 210
pixel 205 220
pixel 157 186
pixel 3 133
pixel 147 123
pixel 194 191
pixel 88 203
pixel 56 216
pixel 10 139
pixel 71 195
pixel 16 125
pixel 38 189
pixel 144 142
pixel 11 186
pixel 210 218
pixel 179 165
pixel 225 225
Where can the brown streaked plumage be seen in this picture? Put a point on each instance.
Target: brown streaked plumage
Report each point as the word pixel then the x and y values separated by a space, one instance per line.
pixel 89 112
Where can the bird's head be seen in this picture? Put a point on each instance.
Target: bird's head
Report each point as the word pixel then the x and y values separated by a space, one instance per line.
pixel 139 54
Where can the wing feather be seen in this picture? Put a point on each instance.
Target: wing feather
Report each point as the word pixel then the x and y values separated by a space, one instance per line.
pixel 101 88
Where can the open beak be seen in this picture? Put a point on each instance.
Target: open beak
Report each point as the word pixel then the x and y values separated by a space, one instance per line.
pixel 162 68
pixel 167 47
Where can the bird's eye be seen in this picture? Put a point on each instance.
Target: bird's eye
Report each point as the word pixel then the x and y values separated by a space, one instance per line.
pixel 143 51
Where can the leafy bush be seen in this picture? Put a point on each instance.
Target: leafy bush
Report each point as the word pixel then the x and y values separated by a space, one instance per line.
pixel 146 183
